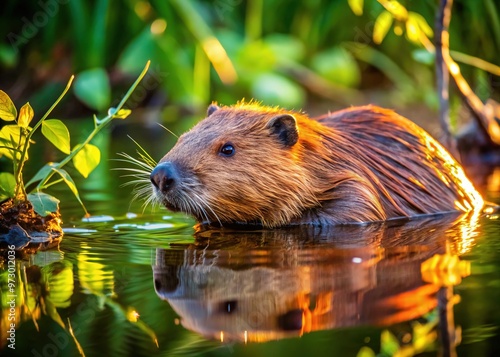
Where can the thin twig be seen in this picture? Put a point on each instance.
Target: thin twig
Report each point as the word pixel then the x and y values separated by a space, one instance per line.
pixel 484 114
pixel 442 74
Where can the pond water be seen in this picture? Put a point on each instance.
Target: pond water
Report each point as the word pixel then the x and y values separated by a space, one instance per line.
pixel 134 283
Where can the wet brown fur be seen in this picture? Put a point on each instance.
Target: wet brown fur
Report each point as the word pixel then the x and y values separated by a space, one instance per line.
pixel 361 164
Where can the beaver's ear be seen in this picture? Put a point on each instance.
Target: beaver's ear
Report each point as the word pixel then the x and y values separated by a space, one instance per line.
pixel 212 108
pixel 284 126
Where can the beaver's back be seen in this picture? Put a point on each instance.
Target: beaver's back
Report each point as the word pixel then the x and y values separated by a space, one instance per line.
pixel 411 171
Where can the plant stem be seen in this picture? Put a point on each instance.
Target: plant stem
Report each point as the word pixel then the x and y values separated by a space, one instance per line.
pixel 253 21
pixel 132 88
pixel 98 127
pixel 204 35
pixel 485 118
pixel 23 159
pixel 442 74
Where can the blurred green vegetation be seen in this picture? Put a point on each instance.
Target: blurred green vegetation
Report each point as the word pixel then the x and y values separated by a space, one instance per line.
pixel 293 54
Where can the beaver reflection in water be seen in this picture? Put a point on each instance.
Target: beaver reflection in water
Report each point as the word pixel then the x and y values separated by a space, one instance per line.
pixel 252 164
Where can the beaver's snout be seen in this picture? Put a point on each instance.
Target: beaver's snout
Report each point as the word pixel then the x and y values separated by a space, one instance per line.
pixel 292 320
pixel 164 176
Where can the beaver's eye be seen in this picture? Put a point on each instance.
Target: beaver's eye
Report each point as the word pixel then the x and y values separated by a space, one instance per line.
pixel 227 150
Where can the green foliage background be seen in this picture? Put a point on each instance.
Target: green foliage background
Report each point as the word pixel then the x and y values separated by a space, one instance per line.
pixel 283 53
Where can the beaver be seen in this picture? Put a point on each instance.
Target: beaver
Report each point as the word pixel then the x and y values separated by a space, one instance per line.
pixel 256 165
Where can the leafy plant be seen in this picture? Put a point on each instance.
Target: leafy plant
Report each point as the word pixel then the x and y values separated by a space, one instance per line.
pixel 423 338
pixel 16 140
pixel 417 31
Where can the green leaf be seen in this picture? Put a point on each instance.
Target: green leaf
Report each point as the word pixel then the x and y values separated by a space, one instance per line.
pixel 7 185
pixel 413 31
pixel 43 204
pixel 421 23
pixel 366 352
pixel 274 89
pixel 26 114
pixel 10 133
pixel 255 58
pixel 382 25
pixel 338 66
pixel 10 141
pixel 423 56
pixel 57 133
pixel 356 6
pixel 286 48
pixel 8 111
pixel 42 173
pixel 67 180
pixel 87 159
pixel 389 344
pixel 52 312
pixel 8 151
pixel 70 183
pixel 8 56
pixel 92 88
pixel 138 51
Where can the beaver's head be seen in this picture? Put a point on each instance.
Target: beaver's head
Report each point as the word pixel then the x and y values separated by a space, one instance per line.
pixel 241 164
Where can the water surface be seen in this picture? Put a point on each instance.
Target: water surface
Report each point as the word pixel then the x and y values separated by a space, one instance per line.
pixel 134 283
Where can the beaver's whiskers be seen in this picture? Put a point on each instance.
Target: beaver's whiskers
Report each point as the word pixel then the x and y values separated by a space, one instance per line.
pixel 194 204
pixel 141 176
pixel 204 203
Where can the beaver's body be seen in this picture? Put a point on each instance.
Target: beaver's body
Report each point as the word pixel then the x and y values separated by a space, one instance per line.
pixel 252 164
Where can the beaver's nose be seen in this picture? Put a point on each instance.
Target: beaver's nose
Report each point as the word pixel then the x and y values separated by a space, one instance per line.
pixel 164 176
pixel 292 320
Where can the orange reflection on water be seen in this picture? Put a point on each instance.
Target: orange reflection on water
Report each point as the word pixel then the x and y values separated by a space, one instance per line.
pixel 272 284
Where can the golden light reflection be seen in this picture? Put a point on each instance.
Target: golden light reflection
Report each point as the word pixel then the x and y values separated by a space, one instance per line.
pixel 493 129
pixel 460 206
pixel 489 210
pixel 396 9
pixel 445 270
pixel 472 199
pixel 454 69
pixel 416 182
pixel 222 336
pixel 493 184
pixel 468 231
pixel 467 205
